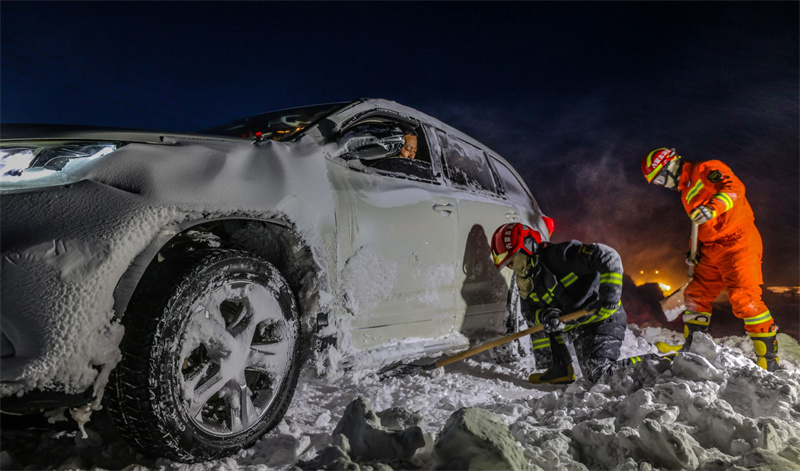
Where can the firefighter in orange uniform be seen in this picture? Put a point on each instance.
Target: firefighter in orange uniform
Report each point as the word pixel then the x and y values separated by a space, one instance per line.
pixel 729 244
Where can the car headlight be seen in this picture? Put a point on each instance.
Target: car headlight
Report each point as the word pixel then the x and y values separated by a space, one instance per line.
pixel 53 163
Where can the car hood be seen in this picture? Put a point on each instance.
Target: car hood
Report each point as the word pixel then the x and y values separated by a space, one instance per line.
pixel 66 131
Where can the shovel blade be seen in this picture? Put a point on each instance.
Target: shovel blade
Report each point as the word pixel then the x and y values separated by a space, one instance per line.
pixel 404 369
pixel 674 305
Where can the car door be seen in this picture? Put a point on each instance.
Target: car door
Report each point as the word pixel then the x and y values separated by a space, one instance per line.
pixel 482 208
pixel 396 238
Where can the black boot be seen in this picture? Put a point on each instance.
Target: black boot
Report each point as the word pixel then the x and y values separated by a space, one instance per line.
pixel 766 347
pixel 559 374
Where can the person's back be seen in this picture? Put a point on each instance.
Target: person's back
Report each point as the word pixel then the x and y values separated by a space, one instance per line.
pixel 713 180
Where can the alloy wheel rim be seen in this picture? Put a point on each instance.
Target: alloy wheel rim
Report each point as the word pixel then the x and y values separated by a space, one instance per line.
pixel 235 354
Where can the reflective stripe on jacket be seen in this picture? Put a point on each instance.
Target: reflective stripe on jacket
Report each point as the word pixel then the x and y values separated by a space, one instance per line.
pixel 571 276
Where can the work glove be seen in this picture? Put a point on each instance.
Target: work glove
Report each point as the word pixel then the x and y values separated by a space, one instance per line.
pixel 550 322
pixel 702 214
pixel 602 307
pixel 692 262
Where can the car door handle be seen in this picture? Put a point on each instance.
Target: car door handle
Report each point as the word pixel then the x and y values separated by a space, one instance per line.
pixel 512 216
pixel 445 209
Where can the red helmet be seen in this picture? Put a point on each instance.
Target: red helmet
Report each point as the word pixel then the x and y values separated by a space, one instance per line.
pixel 509 239
pixel 655 161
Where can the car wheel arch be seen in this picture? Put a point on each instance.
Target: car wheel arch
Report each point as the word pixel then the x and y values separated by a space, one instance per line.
pixel 274 240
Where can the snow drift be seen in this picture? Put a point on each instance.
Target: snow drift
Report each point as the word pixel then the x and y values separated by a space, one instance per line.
pixel 712 408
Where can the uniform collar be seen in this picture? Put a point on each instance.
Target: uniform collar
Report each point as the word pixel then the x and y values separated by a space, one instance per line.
pixel 684 180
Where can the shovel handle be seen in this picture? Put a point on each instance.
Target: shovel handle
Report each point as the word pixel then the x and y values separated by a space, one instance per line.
pixel 693 252
pixel 508 338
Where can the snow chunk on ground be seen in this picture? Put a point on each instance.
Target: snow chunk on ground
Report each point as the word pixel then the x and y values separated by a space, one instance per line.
pixel 370 440
pixel 475 438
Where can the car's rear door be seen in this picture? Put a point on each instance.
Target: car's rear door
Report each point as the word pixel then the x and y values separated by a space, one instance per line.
pixel 481 290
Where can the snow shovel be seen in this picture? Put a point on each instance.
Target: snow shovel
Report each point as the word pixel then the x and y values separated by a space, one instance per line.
pixel 672 304
pixel 402 369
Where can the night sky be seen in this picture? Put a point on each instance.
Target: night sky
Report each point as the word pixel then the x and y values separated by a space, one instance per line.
pixel 573 94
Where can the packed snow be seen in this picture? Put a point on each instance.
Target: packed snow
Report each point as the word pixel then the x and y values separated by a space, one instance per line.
pixel 711 408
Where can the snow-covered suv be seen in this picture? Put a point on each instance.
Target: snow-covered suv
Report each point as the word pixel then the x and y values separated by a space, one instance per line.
pixel 184 279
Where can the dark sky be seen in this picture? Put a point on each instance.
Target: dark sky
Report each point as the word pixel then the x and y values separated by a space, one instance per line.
pixel 572 93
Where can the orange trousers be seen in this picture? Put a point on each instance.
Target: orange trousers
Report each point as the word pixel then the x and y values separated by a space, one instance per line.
pixel 734 264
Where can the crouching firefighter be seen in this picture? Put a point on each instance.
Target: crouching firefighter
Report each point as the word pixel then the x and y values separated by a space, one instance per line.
pixel 556 279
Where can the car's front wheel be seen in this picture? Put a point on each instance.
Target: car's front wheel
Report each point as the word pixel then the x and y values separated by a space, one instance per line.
pixel 210 357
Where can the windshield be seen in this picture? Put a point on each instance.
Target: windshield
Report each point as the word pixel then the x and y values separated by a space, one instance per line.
pixel 276 125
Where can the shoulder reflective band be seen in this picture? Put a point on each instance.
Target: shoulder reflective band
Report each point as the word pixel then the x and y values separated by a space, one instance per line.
pixel 569 279
pixel 725 199
pixel 612 278
pixel 694 191
pixel 765 317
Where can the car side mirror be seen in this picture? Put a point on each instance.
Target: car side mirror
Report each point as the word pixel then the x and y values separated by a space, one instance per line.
pixel 374 149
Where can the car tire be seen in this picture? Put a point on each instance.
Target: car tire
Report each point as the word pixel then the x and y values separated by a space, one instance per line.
pixel 514 322
pixel 210 357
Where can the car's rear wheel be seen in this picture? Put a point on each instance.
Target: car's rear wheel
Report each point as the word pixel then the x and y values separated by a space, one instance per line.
pixel 210 357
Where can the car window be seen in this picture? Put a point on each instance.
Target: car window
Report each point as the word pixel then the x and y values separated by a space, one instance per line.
pixel 465 165
pixel 375 144
pixel 516 190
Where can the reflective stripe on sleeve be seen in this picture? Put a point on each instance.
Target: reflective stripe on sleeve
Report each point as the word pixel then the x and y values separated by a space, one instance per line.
pixel 603 312
pixel 725 200
pixel 612 278
pixel 601 315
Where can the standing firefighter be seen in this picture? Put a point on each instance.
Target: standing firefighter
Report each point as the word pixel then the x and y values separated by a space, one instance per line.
pixel 556 279
pixel 729 243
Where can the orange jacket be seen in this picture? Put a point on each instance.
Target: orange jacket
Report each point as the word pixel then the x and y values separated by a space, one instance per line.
pixel 712 183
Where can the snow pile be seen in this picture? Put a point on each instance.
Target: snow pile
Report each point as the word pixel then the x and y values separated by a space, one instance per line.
pixel 711 408
pixel 472 438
